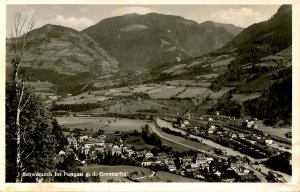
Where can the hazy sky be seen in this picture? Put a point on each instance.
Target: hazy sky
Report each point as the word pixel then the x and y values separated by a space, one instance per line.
pixel 82 16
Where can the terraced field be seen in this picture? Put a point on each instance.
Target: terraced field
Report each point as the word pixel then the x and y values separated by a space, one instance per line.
pixel 244 97
pixel 167 92
pixel 220 93
pixel 192 92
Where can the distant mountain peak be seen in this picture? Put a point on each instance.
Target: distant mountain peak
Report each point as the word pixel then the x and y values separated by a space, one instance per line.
pixel 283 9
pixel 140 41
pixel 275 32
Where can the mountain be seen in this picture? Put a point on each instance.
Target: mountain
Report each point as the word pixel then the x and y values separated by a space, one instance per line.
pixel 140 41
pixel 263 66
pixel 66 51
pixel 230 27
pixel 275 32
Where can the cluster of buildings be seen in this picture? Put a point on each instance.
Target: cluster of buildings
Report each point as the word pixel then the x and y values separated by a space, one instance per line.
pixel 197 166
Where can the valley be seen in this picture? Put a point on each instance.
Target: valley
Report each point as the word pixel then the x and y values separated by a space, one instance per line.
pixel 166 99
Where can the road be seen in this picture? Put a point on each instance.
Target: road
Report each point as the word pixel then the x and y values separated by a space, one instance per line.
pixel 229 151
pixel 258 174
pixel 155 130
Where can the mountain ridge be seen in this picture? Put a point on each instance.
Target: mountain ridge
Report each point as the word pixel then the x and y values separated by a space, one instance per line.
pixel 67 51
pixel 160 39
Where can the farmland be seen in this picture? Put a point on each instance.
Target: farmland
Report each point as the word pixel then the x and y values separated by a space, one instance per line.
pixel 220 93
pixel 191 92
pixel 42 86
pixel 82 98
pixel 280 132
pixel 185 83
pixel 166 92
pixel 108 124
pixel 173 69
pixel 244 97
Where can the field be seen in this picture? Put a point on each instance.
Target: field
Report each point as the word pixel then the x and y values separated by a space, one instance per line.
pixel 208 76
pixel 185 83
pixel 166 92
pixel 42 86
pixel 82 98
pixel 220 93
pixel 195 63
pixel 96 123
pixel 258 85
pixel 137 106
pixel 222 63
pixel 175 146
pixel 161 175
pixel 169 106
pixel 137 142
pixel 173 69
pixel 244 97
pixel 274 131
pixel 185 141
pixel 191 92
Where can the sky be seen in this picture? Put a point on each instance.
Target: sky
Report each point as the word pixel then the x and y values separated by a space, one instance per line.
pixel 81 16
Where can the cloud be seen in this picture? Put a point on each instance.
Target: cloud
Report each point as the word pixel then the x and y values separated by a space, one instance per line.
pixel 135 9
pixel 242 17
pixel 83 10
pixel 73 22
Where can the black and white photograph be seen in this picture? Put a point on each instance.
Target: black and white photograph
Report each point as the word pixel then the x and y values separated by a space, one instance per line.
pixel 149 93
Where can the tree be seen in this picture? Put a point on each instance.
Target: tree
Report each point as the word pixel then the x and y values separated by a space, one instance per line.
pixel 30 144
pixel 37 141
pixel 59 136
pixel 19 82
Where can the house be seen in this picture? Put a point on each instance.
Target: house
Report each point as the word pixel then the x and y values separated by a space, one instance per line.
pixel 128 152
pixel 234 135
pixel 82 138
pixel 103 137
pixel 186 122
pixel 100 149
pixel 269 142
pixel 53 97
pixel 146 163
pixel 211 129
pixel 218 173
pixel 242 171
pixel 148 155
pixel 158 162
pixel 171 168
pixel 251 124
pixel 92 154
pixel 83 163
pixel 169 161
pixel 85 151
pixel 116 150
pixel 93 142
pixel 139 154
pixel 72 142
pixel 61 152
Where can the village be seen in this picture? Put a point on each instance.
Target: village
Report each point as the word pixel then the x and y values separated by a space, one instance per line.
pixel 235 154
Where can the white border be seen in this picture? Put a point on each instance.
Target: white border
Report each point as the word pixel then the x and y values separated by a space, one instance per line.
pixel 292 186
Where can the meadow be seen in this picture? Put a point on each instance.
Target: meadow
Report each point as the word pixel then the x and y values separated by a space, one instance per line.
pixel 108 124
pixel 192 92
